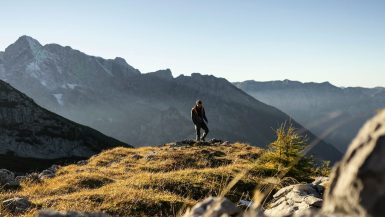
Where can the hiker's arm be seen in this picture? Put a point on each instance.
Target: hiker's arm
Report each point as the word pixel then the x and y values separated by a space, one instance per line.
pixel 204 116
pixel 193 117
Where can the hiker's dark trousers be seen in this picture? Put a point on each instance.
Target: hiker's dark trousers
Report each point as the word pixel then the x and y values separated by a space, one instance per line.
pixel 198 128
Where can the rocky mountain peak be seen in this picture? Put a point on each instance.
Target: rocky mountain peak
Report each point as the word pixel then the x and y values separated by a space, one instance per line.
pixel 121 61
pixel 31 41
pixel 25 43
pixel 252 85
pixel 165 74
pixel 58 72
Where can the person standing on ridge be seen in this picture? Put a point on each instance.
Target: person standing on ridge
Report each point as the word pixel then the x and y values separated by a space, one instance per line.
pixel 198 116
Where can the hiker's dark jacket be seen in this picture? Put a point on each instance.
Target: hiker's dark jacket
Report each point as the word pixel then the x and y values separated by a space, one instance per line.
pixel 198 115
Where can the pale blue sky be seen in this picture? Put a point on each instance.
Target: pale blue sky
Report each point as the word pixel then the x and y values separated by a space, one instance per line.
pixel 341 41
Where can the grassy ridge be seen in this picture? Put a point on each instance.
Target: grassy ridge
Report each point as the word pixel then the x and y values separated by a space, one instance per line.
pixel 149 181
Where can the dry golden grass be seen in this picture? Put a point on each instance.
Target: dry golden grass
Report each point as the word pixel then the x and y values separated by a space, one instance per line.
pixel 148 181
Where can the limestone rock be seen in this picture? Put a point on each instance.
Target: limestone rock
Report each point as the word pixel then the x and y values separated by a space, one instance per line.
pixel 321 181
pixel 17 205
pixel 82 162
pixel 214 207
pixel 295 199
pixel 357 183
pixel 46 174
pixel 49 173
pixel 8 180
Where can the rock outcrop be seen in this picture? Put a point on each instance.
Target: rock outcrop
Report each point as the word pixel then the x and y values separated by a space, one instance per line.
pixel 297 199
pixel 164 74
pixel 48 173
pixel 50 213
pixel 357 182
pixel 214 207
pixel 17 205
pixel 8 180
pixel 293 200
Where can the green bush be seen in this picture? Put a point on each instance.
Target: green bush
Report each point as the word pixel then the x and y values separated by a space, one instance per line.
pixel 286 156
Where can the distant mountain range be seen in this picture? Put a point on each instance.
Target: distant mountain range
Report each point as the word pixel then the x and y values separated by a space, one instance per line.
pixel 139 109
pixel 333 113
pixel 33 137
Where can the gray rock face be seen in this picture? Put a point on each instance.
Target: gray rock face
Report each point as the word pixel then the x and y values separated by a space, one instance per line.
pixel 48 213
pixel 296 199
pixel 57 67
pixel 214 207
pixel 17 205
pixel 2 70
pixel 48 173
pixel 140 109
pixel 8 180
pixel 164 74
pixel 29 131
pixel 357 183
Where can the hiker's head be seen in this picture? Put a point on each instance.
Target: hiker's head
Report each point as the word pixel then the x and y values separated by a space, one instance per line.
pixel 199 103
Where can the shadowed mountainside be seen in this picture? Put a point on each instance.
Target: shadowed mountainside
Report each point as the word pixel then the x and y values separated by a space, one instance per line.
pixel 32 137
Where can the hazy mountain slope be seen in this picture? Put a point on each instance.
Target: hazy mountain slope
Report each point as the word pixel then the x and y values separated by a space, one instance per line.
pixel 321 107
pixel 141 109
pixel 31 135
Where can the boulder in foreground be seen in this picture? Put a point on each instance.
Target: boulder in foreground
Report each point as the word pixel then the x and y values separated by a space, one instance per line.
pixel 357 183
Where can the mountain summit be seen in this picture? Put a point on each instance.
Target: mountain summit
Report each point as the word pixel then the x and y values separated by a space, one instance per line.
pixel 140 109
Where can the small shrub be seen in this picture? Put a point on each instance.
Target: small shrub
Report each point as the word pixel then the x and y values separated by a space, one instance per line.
pixel 285 154
pixel 324 169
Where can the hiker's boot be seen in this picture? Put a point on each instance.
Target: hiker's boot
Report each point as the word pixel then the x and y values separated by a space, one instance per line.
pixel 204 137
pixel 198 139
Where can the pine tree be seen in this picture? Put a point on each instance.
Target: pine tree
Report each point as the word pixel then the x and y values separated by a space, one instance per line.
pixel 288 146
pixel 286 154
